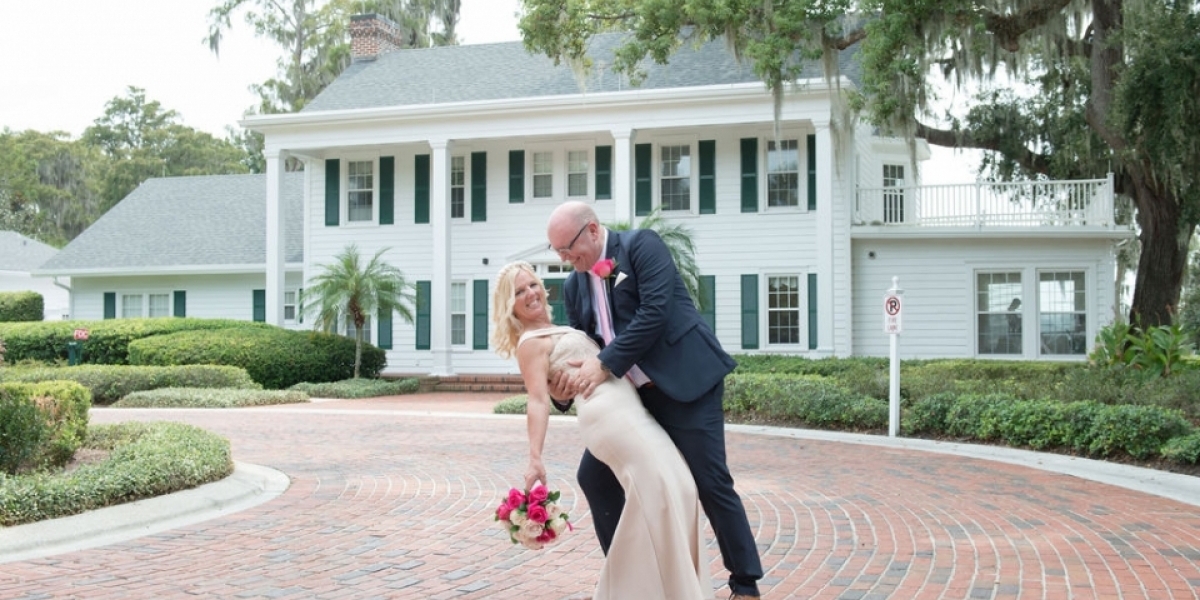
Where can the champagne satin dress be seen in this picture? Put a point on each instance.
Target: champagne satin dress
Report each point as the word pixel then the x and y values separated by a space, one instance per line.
pixel 657 550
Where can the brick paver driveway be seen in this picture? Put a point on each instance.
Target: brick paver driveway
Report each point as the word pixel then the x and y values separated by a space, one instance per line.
pixel 393 498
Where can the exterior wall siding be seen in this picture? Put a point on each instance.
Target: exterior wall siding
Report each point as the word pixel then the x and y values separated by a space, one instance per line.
pixel 208 296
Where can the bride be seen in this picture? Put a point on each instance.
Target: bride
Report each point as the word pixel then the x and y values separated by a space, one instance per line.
pixel 657 550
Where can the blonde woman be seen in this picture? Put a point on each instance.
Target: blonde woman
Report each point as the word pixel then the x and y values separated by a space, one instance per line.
pixel 657 550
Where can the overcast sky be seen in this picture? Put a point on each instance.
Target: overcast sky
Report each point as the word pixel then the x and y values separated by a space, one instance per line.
pixel 62 61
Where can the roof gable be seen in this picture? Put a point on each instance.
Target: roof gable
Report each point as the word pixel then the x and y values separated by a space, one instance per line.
pixel 173 222
pixel 21 253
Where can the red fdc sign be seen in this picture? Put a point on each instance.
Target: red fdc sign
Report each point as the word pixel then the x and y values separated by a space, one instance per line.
pixel 81 334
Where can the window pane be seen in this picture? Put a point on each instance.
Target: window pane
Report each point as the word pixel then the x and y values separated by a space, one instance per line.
pixel 999 313
pixel 543 174
pixel 783 173
pixel 160 305
pixel 676 177
pixel 577 173
pixel 458 330
pixel 360 190
pixel 893 201
pixel 131 306
pixel 289 306
pixel 351 331
pixel 783 310
pixel 1062 306
pixel 458 187
pixel 458 313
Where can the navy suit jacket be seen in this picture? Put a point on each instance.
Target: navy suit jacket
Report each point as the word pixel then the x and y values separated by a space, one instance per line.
pixel 657 325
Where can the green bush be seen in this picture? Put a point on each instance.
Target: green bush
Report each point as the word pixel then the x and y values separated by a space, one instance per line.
pixel 274 357
pixel 108 340
pixel 809 399
pixel 1183 449
pixel 109 383
pixel 21 306
pixel 145 460
pixel 1023 379
pixel 516 406
pixel 1140 431
pixel 359 388
pixel 1120 384
pixel 209 398
pixel 61 406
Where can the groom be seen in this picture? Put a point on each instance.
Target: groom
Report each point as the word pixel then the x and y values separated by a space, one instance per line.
pixel 657 339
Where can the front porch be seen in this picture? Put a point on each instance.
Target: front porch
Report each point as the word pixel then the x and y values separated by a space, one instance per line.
pixel 1074 205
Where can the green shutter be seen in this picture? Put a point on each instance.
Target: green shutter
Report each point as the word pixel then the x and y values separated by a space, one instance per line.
pixel 642 178
pixel 385 330
pixel 708 300
pixel 180 303
pixel 478 186
pixel 387 190
pixel 749 175
pixel 110 305
pixel 260 306
pixel 604 172
pixel 749 312
pixel 812 172
pixel 300 305
pixel 479 310
pixel 812 311
pixel 708 177
pixel 421 188
pixel 554 297
pixel 516 176
pixel 333 191
pixel 424 290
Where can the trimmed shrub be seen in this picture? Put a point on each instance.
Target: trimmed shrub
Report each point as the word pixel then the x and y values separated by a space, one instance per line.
pixel 209 398
pixel 274 357
pixel 109 383
pixel 359 388
pixel 808 399
pixel 21 307
pixel 62 408
pixel 145 460
pixel 1183 449
pixel 108 340
pixel 1140 431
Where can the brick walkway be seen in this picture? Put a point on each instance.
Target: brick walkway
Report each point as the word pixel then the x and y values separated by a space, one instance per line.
pixel 393 498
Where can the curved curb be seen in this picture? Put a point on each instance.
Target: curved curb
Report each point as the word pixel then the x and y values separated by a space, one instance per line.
pixel 248 486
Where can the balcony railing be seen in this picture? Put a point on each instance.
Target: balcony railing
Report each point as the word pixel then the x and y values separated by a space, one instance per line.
pixel 1077 203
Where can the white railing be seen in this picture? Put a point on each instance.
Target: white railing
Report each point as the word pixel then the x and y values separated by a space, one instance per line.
pixel 1077 203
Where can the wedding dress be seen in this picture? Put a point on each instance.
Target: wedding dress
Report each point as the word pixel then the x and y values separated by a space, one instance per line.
pixel 657 550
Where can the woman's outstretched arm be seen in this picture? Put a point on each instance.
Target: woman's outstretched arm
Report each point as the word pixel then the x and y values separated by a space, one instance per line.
pixel 533 358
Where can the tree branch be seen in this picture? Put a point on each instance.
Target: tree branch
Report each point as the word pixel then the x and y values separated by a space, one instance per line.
pixel 1009 28
pixel 1031 161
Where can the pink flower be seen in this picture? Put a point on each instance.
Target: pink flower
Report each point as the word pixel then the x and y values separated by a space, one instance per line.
pixel 515 498
pixel 604 268
pixel 537 513
pixel 538 494
pixel 547 536
pixel 503 511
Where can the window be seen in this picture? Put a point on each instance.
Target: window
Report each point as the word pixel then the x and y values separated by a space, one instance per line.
pixel 360 190
pixel 676 178
pixel 543 174
pixel 577 173
pixel 289 306
pixel 160 305
pixel 458 187
pixel 893 200
pixel 351 331
pixel 783 173
pixel 999 313
pixel 783 309
pixel 458 313
pixel 131 306
pixel 1062 310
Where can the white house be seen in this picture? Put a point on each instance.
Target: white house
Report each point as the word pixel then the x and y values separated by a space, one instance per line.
pixel 453 157
pixel 183 246
pixel 19 257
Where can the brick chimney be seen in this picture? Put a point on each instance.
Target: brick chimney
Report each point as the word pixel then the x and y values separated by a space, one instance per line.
pixel 372 36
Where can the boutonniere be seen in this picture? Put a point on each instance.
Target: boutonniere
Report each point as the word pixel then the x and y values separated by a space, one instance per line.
pixel 604 269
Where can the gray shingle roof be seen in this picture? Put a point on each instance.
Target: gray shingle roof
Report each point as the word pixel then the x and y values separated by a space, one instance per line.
pixel 211 220
pixel 20 253
pixel 449 74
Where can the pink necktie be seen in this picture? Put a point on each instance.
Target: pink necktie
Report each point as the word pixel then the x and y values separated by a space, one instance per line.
pixel 604 315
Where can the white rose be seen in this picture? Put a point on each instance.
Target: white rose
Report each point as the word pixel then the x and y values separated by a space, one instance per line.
pixel 531 529
pixel 557 525
pixel 518 517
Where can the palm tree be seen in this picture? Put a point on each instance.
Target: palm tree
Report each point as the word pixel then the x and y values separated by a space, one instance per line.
pixel 349 289
pixel 679 243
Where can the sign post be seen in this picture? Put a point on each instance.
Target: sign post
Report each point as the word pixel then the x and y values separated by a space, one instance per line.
pixel 892 305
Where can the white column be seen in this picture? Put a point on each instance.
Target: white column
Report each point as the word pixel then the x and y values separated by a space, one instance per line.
pixel 275 236
pixel 827 273
pixel 439 218
pixel 622 175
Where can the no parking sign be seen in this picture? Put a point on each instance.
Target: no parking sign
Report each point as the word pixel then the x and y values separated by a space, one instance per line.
pixel 891 312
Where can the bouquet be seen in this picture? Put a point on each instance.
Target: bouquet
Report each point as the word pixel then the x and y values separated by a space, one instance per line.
pixel 532 519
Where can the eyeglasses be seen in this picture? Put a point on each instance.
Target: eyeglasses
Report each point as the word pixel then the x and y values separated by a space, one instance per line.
pixel 562 251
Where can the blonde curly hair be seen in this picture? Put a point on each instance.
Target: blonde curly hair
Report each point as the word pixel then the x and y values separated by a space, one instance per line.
pixel 506 328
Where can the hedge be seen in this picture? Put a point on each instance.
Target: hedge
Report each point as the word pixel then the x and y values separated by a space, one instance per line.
pixel 21 306
pixel 109 383
pixel 108 340
pixel 41 424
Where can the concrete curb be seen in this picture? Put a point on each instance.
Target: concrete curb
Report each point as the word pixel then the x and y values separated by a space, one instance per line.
pixel 248 486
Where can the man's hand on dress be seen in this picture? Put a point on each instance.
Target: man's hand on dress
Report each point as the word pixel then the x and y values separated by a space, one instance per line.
pixel 591 374
pixel 561 388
